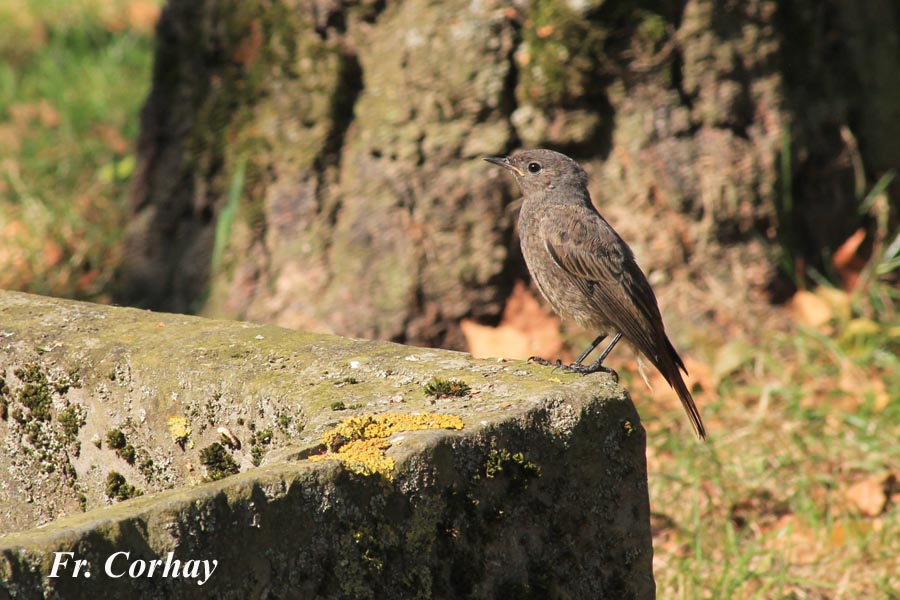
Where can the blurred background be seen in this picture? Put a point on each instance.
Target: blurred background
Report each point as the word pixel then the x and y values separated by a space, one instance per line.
pixel 316 164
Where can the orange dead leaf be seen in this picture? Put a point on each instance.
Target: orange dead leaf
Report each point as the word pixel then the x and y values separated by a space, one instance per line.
pixel 52 252
pixel 143 15
pixel 249 49
pixel 810 309
pixel 871 496
pixel 545 31
pixel 847 260
pixel 47 115
pixel 524 330
pixel 112 138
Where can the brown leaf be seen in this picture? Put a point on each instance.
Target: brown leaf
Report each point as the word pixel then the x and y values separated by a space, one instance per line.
pixel 810 310
pixel 870 496
pixel 52 252
pixel 525 329
pixel 250 47
pixel 112 138
pixel 143 15
pixel 847 260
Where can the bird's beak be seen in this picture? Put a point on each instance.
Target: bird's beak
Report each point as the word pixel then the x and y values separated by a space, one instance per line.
pixel 503 161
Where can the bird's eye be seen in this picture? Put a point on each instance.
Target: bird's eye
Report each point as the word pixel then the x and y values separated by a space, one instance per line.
pixel 534 167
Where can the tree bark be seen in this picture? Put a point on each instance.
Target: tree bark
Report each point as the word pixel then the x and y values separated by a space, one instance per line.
pixel 316 163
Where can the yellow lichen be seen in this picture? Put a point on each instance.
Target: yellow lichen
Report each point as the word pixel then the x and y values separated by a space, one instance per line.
pixel 360 443
pixel 180 430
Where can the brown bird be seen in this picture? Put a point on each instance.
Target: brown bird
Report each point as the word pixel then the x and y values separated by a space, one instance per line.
pixel 586 271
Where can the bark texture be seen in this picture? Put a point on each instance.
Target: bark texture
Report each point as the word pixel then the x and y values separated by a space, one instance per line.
pixel 316 163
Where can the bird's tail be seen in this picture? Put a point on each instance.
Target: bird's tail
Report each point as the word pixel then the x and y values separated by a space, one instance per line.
pixel 671 366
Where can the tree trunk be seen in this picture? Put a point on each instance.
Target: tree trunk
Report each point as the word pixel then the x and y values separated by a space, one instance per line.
pixel 316 163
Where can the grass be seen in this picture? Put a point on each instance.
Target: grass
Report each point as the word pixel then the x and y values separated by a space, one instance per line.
pixel 790 498
pixel 779 502
pixel 73 75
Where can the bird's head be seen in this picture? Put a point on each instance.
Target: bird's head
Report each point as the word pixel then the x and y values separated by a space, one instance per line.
pixel 538 171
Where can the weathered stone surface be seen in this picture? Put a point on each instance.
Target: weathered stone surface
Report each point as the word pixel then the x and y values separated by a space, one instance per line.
pixel 315 164
pixel 541 494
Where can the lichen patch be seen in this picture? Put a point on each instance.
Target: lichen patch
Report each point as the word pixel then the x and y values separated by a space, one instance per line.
pixel 360 443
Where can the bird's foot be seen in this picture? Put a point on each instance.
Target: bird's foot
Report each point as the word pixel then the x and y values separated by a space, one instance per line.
pixel 576 367
pixel 545 362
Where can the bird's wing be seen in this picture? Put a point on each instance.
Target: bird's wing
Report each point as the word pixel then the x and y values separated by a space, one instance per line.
pixel 584 245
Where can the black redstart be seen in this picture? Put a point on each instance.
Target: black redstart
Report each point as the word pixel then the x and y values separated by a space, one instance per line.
pixel 586 271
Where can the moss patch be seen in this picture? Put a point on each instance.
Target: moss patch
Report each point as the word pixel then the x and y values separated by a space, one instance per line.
pixel 258 439
pixel 71 420
pixel 360 443
pixel 218 462
pixel 116 440
pixel 445 388
pixel 118 488
pixel 513 465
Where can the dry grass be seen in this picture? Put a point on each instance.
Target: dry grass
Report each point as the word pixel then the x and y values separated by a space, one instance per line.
pixel 73 74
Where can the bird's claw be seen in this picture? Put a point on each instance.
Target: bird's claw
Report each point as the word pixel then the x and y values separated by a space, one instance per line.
pixel 545 362
pixel 575 367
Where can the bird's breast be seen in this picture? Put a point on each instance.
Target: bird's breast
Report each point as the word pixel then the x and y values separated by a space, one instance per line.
pixel 570 297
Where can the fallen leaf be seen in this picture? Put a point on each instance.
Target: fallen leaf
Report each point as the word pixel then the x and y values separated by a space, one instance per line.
pixel 839 300
pixel 143 15
pixel 112 138
pixel 52 252
pixel 249 50
pixel 880 394
pixel 525 330
pixel 860 328
pixel 729 358
pixel 810 310
pixel 870 496
pixel 847 261
pixel 545 31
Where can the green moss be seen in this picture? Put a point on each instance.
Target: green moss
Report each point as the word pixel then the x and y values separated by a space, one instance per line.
pixel 70 380
pixel 71 420
pixel 118 488
pixel 115 439
pixel 128 454
pixel 561 52
pixel 258 439
pixel 36 394
pixel 513 465
pixel 257 453
pixel 263 436
pixel 146 466
pixel 444 388
pixel 338 405
pixel 284 421
pixel 219 464
pixel 652 27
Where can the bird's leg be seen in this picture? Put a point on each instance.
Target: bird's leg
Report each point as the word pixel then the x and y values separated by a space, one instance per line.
pixel 576 364
pixel 589 349
pixel 597 365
